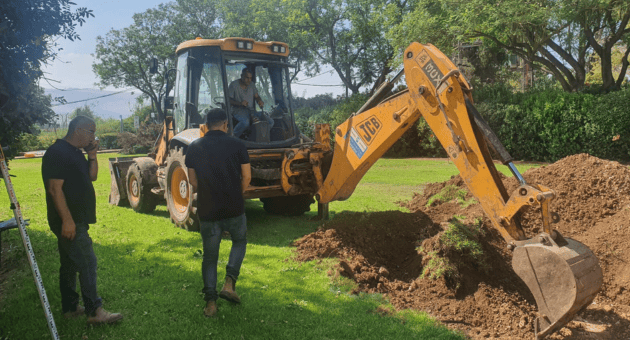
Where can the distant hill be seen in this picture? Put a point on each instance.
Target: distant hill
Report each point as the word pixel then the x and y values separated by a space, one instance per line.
pixel 112 106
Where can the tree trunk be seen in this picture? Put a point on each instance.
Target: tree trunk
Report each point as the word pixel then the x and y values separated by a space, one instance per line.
pixel 381 79
pixel 608 79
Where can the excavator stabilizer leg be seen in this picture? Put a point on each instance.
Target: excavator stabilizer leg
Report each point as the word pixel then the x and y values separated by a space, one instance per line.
pixel 563 275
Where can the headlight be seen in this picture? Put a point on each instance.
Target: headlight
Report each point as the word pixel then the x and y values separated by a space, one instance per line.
pixel 240 44
pixel 278 49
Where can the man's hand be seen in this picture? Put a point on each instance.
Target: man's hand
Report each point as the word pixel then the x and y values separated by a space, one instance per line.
pixel 260 103
pixel 68 229
pixel 245 103
pixel 92 148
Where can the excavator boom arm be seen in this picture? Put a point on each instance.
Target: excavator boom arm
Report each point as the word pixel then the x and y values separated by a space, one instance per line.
pixel 361 140
pixel 563 275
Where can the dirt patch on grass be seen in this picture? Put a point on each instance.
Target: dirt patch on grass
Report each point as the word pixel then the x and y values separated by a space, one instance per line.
pixel 421 259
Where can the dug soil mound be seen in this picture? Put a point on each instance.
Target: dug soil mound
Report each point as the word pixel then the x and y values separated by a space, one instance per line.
pixel 445 258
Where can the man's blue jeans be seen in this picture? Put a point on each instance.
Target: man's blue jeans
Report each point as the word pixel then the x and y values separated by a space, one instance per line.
pixel 77 256
pixel 211 237
pixel 242 116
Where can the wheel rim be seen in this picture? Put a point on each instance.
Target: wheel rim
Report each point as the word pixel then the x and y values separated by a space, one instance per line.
pixel 134 192
pixel 179 182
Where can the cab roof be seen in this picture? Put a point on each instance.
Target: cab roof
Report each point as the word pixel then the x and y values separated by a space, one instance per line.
pixel 231 44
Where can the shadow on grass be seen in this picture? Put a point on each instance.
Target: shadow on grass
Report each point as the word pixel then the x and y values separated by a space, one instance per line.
pixel 263 228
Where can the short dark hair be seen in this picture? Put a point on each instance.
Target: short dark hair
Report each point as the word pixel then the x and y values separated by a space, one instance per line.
pixel 245 70
pixel 214 116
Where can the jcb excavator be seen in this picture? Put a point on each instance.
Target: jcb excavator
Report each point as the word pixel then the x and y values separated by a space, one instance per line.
pixel 563 275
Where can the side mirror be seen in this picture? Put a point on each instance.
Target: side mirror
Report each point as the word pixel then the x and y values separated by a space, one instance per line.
pixel 153 67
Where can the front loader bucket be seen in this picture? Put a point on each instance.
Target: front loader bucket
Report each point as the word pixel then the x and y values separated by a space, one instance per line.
pixel 563 275
pixel 118 173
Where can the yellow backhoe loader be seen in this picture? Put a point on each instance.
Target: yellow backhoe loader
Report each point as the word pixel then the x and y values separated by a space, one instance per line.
pixel 563 275
pixel 286 165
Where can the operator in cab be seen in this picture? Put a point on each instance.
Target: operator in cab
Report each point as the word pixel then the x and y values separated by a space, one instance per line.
pixel 243 93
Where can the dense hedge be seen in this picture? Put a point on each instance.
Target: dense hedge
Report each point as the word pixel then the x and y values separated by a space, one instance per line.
pixel 31 142
pixel 417 142
pixel 543 124
pixel 549 124
pixel 109 141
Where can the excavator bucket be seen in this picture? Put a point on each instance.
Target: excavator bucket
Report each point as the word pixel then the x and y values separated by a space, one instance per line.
pixel 563 275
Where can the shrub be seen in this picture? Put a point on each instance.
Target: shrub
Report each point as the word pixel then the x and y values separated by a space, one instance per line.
pixel 549 124
pixel 109 141
pixel 418 141
pixel 34 141
pixel 28 142
pixel 140 142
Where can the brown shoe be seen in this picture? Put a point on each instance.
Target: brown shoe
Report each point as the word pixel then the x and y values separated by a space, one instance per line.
pixel 77 313
pixel 229 291
pixel 211 309
pixel 101 316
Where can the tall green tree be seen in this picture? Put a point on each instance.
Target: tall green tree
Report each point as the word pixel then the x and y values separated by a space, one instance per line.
pixel 555 36
pixel 347 35
pixel 123 56
pixel 269 20
pixel 426 21
pixel 27 29
pixel 539 31
pixel 84 110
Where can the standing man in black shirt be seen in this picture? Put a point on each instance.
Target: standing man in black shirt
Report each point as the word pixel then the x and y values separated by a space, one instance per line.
pixel 219 171
pixel 71 204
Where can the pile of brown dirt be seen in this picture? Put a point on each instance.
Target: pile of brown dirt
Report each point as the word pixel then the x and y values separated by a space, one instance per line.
pixel 386 252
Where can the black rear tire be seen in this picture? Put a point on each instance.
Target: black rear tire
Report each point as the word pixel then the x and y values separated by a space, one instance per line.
pixel 139 194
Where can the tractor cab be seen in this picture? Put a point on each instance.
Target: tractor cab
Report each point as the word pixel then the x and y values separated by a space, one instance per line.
pixel 205 70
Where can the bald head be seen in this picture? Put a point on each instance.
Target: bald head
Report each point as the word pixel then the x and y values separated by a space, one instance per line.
pixel 81 131
pixel 79 122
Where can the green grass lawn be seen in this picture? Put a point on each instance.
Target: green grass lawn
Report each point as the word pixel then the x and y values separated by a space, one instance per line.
pixel 150 271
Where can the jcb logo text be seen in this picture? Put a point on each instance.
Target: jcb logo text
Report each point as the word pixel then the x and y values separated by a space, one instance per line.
pixel 369 128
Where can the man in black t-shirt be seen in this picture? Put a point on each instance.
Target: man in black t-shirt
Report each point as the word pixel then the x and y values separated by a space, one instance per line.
pixel 71 204
pixel 219 171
